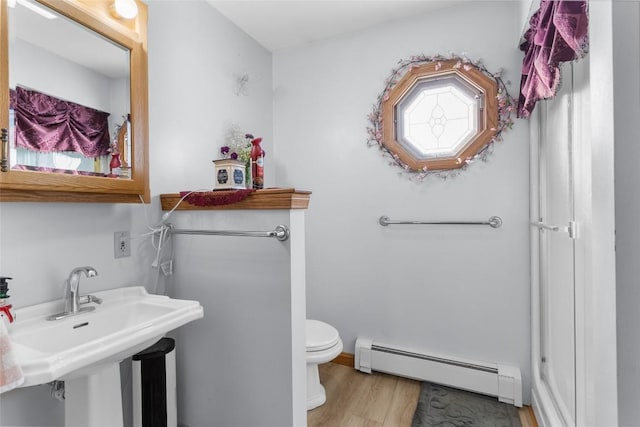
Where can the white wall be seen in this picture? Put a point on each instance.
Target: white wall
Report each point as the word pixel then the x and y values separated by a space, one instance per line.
pixel 234 366
pixel 193 55
pixel 626 42
pixel 456 290
pixel 527 8
pixel 119 95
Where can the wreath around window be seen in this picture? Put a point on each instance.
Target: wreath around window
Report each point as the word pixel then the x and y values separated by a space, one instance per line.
pixel 438 114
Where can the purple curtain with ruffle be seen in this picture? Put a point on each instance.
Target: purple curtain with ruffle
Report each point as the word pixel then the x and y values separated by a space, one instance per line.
pixel 558 33
pixel 47 124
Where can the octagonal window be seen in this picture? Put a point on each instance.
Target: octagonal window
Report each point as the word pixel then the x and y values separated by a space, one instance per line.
pixel 439 115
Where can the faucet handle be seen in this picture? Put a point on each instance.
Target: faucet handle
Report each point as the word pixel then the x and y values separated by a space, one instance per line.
pixel 85 299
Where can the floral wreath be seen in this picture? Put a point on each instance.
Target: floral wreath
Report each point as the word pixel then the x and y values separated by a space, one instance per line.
pixel 506 106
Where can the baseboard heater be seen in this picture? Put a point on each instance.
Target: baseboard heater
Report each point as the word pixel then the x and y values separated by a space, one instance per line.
pixel 493 379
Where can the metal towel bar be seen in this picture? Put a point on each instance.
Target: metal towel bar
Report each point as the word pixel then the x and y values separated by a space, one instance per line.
pixel 281 232
pixel 494 222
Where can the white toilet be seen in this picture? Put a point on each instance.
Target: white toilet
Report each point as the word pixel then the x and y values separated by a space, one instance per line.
pixel 323 345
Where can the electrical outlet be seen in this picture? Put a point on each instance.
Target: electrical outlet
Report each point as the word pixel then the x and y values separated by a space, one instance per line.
pixel 121 244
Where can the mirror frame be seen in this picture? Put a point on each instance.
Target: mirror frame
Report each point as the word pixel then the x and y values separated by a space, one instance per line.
pixel 437 69
pixel 40 186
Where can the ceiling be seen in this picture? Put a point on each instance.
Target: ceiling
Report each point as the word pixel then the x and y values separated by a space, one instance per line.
pixel 66 39
pixel 282 24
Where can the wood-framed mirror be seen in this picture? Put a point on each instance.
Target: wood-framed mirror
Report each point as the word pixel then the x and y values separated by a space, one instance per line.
pixel 75 123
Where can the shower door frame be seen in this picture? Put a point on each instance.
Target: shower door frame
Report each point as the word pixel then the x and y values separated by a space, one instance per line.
pixel 550 404
pixel 594 251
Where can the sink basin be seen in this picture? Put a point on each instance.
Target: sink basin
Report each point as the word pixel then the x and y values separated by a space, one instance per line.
pixel 128 321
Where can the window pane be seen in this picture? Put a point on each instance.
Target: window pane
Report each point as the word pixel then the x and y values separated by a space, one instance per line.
pixel 438 117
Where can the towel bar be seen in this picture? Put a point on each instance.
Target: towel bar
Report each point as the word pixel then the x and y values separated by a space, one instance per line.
pixel 494 222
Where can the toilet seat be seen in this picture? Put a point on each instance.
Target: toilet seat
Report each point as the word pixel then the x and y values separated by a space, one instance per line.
pixel 320 336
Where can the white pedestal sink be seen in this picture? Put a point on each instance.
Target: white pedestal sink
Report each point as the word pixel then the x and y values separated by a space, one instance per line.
pixel 85 350
pixel 94 400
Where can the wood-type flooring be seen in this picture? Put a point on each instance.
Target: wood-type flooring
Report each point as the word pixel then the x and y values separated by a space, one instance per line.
pixel 356 399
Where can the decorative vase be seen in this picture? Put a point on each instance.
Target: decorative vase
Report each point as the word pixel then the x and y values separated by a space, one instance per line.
pixel 114 165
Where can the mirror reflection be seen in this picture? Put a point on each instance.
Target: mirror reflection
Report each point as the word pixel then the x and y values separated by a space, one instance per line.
pixel 70 96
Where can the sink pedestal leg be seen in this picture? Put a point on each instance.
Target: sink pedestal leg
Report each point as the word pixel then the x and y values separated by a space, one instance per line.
pixel 94 400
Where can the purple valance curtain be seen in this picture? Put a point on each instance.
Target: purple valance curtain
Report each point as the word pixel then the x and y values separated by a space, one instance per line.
pixel 558 33
pixel 48 124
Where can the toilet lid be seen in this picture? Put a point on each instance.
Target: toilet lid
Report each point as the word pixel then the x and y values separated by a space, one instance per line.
pixel 320 335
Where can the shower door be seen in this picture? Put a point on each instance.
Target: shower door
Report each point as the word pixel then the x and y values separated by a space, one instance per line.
pixel 556 364
pixel 573 259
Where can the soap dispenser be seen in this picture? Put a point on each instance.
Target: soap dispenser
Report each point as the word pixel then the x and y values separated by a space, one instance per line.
pixel 5 307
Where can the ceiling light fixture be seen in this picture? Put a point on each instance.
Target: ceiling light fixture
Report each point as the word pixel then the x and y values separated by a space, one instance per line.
pixel 125 9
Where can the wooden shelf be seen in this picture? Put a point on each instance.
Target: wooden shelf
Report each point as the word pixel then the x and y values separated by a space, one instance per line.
pixel 270 198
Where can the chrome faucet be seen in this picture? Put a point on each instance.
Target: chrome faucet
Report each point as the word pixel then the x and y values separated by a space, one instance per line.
pixel 72 299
